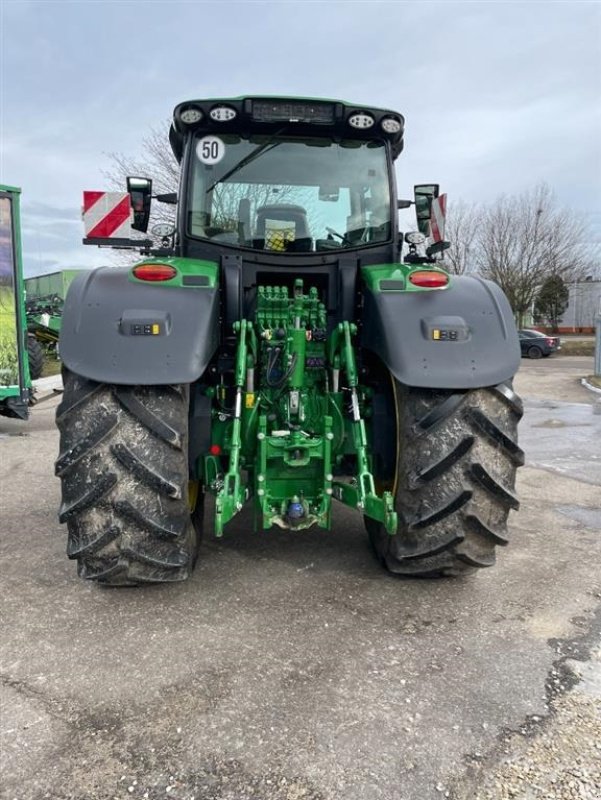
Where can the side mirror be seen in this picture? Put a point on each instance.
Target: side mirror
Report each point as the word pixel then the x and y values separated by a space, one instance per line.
pixel 424 194
pixel 140 193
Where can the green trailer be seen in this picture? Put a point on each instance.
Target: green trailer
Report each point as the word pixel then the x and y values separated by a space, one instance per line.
pixel 53 284
pixel 45 298
pixel 15 380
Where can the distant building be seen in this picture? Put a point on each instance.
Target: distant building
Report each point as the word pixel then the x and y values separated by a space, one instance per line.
pixel 584 306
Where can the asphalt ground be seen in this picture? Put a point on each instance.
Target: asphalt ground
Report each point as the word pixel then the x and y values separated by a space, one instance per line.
pixel 292 666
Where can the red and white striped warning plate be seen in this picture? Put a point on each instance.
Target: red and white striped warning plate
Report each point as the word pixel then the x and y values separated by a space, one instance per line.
pixel 438 217
pixel 107 215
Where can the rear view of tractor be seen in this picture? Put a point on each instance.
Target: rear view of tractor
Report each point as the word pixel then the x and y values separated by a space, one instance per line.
pixel 285 346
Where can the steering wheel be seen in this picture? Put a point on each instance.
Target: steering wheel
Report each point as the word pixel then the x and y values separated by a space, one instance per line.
pixel 341 236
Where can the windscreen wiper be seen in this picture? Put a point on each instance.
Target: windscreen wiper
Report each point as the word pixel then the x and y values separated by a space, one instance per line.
pixel 262 148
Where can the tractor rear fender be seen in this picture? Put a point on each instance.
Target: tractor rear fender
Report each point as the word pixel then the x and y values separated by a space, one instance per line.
pixel 117 330
pixel 460 337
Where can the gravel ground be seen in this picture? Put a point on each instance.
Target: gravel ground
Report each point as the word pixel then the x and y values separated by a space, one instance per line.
pixel 291 668
pixel 555 378
pixel 556 757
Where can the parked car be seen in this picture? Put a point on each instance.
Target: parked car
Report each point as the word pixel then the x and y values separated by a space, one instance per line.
pixel 535 344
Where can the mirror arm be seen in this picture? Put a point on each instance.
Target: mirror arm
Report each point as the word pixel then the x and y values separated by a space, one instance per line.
pixel 437 247
pixel 170 198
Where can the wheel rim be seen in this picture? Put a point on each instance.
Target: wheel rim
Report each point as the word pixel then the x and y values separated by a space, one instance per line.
pixel 535 352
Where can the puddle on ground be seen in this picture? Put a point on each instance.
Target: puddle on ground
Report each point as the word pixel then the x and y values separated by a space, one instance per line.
pixel 559 423
pixel 589 517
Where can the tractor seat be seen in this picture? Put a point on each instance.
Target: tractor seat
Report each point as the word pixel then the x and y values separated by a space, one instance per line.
pixel 282 227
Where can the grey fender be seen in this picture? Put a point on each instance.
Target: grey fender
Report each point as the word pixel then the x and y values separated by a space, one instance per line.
pixel 463 337
pixel 107 331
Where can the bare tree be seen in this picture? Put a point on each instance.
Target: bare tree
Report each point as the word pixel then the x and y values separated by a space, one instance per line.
pixel 461 230
pixel 159 163
pixel 524 239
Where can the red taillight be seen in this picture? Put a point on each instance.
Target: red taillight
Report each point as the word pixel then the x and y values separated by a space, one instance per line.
pixel 428 279
pixel 215 450
pixel 154 272
pixel 550 341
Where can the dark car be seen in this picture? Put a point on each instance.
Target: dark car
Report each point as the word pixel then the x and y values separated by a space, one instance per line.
pixel 535 344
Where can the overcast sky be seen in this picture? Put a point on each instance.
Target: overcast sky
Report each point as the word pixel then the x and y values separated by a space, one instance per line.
pixel 497 96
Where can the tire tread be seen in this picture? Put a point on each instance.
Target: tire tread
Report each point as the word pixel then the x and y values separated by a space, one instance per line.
pixel 124 476
pixel 452 508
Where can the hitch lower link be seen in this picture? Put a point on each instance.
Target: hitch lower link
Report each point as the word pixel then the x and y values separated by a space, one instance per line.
pixel 232 495
pixel 359 494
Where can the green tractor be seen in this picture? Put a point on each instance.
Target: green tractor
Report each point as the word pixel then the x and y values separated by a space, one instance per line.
pixel 285 346
pixel 17 349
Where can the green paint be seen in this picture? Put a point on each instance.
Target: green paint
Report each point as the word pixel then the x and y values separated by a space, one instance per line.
pixel 53 283
pixel 285 424
pixel 15 380
pixel 231 496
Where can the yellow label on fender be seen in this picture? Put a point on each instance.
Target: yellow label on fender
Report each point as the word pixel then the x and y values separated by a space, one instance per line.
pixel 249 400
pixel 436 334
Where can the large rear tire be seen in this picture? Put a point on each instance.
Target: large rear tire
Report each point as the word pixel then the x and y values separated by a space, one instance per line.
pixel 457 456
pixel 123 466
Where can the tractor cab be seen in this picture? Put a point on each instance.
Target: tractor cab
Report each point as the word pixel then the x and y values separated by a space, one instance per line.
pixel 273 177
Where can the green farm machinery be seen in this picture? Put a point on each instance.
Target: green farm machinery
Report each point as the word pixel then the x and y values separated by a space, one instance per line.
pixel 283 345
pixel 44 302
pixel 15 378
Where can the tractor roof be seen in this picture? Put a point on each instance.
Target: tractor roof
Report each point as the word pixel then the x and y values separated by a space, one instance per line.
pixel 302 116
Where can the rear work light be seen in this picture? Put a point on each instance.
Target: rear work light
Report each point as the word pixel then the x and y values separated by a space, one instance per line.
pixel 191 115
pixel 222 113
pixel 391 125
pixel 428 279
pixel 154 272
pixel 361 121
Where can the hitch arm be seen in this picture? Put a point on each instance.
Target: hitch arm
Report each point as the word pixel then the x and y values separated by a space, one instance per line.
pixel 231 496
pixel 363 494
